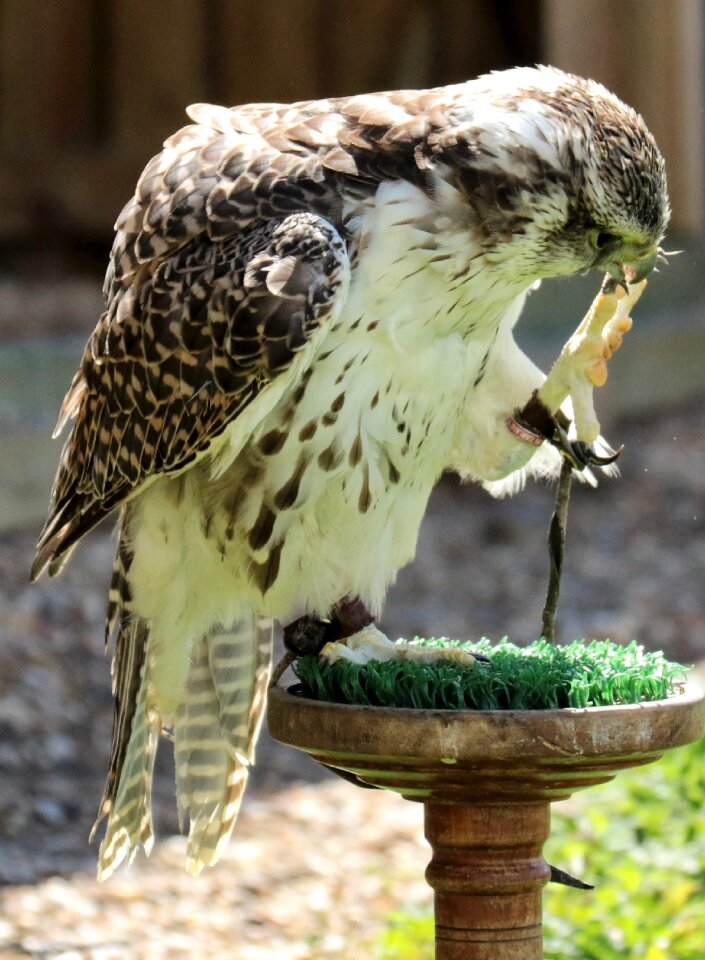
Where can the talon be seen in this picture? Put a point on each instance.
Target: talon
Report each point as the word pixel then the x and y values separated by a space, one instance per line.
pixel 598 461
pixel 589 458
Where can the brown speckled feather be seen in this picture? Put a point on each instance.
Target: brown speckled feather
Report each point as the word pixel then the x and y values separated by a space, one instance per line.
pixel 130 637
pixel 178 355
pixel 199 312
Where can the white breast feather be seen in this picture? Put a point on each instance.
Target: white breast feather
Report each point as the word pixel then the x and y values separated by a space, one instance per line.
pixel 407 319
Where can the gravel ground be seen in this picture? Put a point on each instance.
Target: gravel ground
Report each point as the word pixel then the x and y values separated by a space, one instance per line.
pixel 635 567
pixel 315 873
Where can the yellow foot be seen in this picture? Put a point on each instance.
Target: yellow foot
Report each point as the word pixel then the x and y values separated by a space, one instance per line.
pixel 582 364
pixel 371 644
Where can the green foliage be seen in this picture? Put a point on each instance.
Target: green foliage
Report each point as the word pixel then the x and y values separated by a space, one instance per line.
pixel 641 841
pixel 540 676
pixel 408 937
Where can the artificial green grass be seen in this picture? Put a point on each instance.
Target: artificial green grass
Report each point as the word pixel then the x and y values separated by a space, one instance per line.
pixel 541 676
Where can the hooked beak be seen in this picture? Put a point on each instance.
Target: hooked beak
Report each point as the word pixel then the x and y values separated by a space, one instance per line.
pixel 633 269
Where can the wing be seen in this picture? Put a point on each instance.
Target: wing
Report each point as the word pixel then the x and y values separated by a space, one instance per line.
pixel 179 353
pixel 182 348
pixel 234 167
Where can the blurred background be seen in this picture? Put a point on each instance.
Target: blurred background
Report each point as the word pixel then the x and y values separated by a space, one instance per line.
pixel 88 91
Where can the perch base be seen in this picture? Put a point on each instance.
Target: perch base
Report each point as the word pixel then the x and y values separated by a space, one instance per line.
pixel 487 780
pixel 487 874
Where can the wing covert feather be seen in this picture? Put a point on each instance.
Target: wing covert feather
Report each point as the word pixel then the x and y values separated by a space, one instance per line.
pixel 175 359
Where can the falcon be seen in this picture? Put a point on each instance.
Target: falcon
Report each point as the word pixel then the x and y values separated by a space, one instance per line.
pixel 309 316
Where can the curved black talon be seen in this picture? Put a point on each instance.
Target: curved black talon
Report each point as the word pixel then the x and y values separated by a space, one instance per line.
pixel 538 419
pixel 570 450
pixel 611 283
pixel 592 459
pixel 480 657
pixel 581 454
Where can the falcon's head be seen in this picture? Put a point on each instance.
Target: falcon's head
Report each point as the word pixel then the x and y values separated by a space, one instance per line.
pixel 559 176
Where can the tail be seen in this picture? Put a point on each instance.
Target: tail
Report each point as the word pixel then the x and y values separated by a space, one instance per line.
pixel 136 723
pixel 215 733
pixel 215 730
pixel 126 801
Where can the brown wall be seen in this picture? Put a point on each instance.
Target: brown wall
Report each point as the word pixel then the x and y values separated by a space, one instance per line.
pixel 90 88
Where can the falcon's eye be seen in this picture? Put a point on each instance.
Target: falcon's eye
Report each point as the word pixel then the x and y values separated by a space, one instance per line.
pixel 602 239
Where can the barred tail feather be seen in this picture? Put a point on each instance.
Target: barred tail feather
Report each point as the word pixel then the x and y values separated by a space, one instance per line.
pixel 136 722
pixel 240 662
pixel 130 816
pixel 215 731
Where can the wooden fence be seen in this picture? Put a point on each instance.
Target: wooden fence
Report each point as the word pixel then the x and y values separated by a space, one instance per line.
pixel 89 88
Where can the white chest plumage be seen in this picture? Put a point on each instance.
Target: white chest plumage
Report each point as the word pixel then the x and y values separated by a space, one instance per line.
pixel 326 496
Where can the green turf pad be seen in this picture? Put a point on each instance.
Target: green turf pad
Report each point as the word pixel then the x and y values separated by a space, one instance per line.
pixel 540 676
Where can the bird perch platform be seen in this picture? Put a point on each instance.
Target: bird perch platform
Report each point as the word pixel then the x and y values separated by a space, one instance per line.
pixel 487 780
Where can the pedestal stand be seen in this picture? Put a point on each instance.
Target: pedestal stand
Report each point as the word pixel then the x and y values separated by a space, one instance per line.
pixel 487 780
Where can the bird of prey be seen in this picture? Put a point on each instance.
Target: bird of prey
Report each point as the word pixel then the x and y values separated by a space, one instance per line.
pixel 309 314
